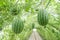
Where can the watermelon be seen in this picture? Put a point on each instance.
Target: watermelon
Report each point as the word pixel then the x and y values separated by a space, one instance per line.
pixel 17 25
pixel 33 25
pixel 14 11
pixel 42 17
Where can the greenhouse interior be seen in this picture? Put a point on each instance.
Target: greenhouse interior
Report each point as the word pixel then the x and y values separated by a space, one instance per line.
pixel 29 19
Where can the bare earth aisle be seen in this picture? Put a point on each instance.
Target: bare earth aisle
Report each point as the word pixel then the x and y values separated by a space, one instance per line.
pixel 35 36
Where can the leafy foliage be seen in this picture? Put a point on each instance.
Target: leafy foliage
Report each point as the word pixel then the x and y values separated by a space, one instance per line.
pixel 28 10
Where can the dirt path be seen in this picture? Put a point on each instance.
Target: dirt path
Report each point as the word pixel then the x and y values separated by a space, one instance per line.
pixel 35 36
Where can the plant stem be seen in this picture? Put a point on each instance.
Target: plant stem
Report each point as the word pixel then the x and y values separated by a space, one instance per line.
pixel 47 4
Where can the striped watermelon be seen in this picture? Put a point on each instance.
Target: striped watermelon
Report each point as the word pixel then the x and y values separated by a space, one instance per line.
pixel 17 26
pixel 43 17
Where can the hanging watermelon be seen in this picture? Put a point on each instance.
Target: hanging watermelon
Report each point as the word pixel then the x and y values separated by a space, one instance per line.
pixel 14 10
pixel 17 26
pixel 43 17
pixel 33 25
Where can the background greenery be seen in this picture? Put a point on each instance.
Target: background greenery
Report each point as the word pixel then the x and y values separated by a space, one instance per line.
pixel 28 10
